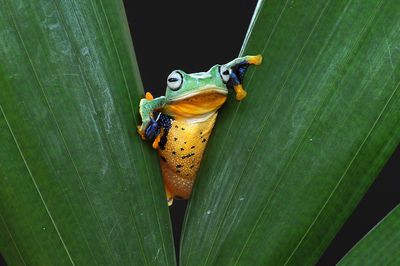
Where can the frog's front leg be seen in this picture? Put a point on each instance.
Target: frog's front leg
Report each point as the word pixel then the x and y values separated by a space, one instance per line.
pixel 238 67
pixel 146 108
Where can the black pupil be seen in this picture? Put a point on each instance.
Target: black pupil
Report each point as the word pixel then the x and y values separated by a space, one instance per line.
pixel 226 72
pixel 172 79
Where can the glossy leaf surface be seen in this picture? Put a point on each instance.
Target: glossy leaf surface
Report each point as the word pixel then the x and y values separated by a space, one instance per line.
pixel 76 186
pixel 285 167
pixel 381 246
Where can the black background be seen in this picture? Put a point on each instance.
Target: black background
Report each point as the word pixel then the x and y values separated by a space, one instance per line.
pixel 193 36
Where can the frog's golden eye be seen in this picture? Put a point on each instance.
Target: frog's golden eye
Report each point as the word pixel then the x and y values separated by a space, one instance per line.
pixel 175 80
pixel 224 73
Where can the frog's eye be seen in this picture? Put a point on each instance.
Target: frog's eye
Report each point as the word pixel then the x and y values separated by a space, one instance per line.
pixel 175 80
pixel 225 75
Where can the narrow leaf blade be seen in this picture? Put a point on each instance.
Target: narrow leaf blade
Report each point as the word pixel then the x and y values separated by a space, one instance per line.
pixel 380 246
pixel 286 166
pixel 76 182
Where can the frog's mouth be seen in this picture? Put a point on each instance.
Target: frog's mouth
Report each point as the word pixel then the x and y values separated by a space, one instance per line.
pixel 196 104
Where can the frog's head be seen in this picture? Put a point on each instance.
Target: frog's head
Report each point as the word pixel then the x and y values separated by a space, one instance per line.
pixel 204 92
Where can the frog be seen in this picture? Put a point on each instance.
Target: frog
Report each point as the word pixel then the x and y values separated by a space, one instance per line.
pixel 180 123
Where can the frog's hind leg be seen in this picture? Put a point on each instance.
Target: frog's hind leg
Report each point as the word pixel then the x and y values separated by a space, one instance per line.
pixel 170 196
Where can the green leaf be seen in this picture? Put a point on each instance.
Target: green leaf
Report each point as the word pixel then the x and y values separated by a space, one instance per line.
pixel 380 246
pixel 286 166
pixel 76 182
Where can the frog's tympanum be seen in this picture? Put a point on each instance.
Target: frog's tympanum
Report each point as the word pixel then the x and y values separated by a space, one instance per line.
pixel 181 121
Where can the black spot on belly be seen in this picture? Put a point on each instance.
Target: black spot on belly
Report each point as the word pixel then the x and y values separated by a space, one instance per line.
pixel 193 147
pixel 204 140
pixel 191 166
pixel 183 129
pixel 162 158
pixel 179 166
pixel 201 132
pixel 184 142
pixel 182 149
pixel 173 153
pixel 188 155
pixel 176 126
pixel 175 139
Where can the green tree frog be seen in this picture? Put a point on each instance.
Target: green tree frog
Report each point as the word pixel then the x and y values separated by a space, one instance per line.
pixel 181 121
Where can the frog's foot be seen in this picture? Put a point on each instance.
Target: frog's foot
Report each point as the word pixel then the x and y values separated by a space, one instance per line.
pixel 170 196
pixel 157 140
pixel 149 96
pixel 141 132
pixel 254 60
pixel 240 92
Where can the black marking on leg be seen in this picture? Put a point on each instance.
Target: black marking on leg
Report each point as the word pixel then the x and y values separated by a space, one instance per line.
pixel 242 66
pixel 152 129
pixel 162 158
pixel 188 155
pixel 237 74
pixel 191 166
pixel 179 166
pixel 178 171
pixel 165 122
pixel 204 140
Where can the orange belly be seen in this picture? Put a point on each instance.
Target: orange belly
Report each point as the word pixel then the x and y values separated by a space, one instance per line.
pixel 180 160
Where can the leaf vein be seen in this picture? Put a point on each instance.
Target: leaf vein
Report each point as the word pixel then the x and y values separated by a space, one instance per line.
pixel 304 135
pixel 265 120
pixel 344 173
pixel 57 126
pixel 90 93
pixel 12 238
pixel 141 147
pixel 233 119
pixel 36 186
